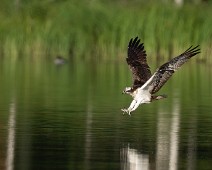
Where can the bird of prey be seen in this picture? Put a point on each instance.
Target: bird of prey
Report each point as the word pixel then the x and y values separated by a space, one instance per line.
pixel 145 84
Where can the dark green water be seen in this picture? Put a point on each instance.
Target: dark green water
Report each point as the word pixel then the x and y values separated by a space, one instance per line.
pixel 69 117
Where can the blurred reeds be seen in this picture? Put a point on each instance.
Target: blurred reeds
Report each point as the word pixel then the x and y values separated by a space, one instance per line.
pixel 101 30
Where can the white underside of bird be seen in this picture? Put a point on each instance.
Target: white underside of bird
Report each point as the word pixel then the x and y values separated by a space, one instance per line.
pixel 140 96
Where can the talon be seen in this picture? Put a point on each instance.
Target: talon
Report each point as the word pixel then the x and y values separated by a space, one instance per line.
pixel 124 110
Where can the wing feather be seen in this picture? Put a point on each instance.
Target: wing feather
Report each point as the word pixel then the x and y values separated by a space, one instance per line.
pixel 164 72
pixel 138 63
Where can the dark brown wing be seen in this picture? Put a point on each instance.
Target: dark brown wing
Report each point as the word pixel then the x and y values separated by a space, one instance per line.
pixel 164 72
pixel 137 62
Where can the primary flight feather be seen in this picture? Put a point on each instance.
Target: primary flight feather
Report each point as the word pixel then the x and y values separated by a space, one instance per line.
pixel 145 84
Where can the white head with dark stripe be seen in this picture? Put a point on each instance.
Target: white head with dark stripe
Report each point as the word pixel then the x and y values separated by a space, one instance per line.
pixel 127 90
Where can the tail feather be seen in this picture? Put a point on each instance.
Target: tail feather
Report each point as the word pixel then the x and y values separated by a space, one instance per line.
pixel 158 97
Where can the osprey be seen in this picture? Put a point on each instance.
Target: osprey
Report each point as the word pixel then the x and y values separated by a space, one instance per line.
pixel 144 83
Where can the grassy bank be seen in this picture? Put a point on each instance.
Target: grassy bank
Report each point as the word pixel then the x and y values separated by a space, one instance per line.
pixel 99 30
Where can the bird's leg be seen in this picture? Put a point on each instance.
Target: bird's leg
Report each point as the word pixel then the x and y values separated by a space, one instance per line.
pixel 129 108
pixel 135 106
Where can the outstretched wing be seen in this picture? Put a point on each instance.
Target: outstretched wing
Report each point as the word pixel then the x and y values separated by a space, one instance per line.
pixel 164 72
pixel 137 62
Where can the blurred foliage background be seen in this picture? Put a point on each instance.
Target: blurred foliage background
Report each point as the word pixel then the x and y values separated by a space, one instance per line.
pixel 101 29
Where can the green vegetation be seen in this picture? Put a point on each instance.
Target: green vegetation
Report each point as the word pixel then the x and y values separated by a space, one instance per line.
pixel 101 30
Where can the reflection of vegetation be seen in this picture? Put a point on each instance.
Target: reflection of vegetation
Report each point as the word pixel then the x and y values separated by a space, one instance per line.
pixel 98 27
pixel 52 103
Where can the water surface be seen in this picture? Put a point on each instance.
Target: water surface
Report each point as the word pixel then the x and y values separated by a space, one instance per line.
pixel 68 117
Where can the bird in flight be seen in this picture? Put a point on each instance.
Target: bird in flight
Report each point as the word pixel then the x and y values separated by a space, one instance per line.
pixel 145 84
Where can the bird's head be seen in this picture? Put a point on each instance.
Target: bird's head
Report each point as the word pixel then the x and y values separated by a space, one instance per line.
pixel 127 90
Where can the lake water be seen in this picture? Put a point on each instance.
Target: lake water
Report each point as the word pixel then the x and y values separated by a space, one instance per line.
pixel 68 117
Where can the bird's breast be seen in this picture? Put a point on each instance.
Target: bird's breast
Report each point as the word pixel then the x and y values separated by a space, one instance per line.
pixel 143 95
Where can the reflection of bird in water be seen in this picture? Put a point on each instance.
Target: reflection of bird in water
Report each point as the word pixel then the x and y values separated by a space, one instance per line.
pixel 131 159
pixel 59 60
pixel 145 84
